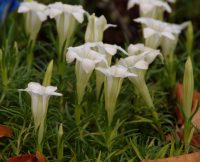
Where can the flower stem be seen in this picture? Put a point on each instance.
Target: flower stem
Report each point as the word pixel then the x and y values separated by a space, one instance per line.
pixel 188 133
pixel 40 136
pixel 29 56
pixel 60 144
pixel 171 72
pixel 158 124
pixel 142 88
pixel 78 112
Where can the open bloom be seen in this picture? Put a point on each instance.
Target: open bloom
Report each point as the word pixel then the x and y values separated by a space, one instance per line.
pixel 86 60
pixel 150 8
pixel 67 17
pixel 7 6
pixel 95 28
pixel 114 76
pixel 108 51
pixel 137 63
pixel 39 104
pixel 34 16
pixel 158 33
pixel 139 58
pixel 142 50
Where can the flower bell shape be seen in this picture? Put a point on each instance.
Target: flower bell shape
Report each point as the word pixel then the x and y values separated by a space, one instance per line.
pixel 86 61
pixel 158 33
pixel 114 76
pixel 39 104
pixel 109 51
pixel 138 63
pixel 150 8
pixel 139 48
pixel 67 17
pixel 169 45
pixel 6 7
pixel 35 14
pixel 95 28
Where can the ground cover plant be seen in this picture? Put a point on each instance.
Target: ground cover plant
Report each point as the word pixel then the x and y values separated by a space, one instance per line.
pixel 67 93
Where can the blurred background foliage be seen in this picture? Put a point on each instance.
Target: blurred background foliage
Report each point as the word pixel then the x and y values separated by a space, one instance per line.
pixel 126 32
pixel 116 13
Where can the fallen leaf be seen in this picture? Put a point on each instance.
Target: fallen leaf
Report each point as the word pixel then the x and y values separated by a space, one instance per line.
pixel 23 158
pixel 196 119
pixel 179 97
pixel 38 157
pixel 179 92
pixel 193 157
pixel 5 131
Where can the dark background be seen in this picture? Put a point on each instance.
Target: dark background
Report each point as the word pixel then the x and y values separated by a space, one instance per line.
pixel 116 12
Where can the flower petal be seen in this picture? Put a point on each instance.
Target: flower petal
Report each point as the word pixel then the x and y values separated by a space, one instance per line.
pixel 141 65
pixel 50 90
pixel 70 55
pixel 23 9
pixel 79 16
pixel 148 32
pixel 87 65
pixel 168 35
pixel 109 25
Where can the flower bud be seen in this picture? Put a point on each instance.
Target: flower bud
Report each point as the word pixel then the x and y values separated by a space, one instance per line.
pixel 60 144
pixel 48 74
pixel 188 88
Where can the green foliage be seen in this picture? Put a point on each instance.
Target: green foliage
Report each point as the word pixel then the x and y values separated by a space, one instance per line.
pixel 133 134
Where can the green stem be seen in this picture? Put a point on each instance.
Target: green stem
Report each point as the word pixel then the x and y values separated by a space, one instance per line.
pixel 2 97
pixel 29 57
pixel 78 112
pixel 188 133
pixel 40 136
pixel 158 124
pixel 39 147
pixel 171 72
pixel 142 88
pixel 61 56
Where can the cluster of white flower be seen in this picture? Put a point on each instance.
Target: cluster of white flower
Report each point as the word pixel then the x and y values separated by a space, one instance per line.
pixel 95 55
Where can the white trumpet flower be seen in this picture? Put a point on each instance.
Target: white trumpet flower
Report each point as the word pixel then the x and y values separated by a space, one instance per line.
pixel 67 17
pixel 150 8
pixel 158 33
pixel 39 104
pixel 142 50
pixel 34 16
pixel 108 50
pixel 95 28
pixel 114 76
pixel 86 60
pixel 137 62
